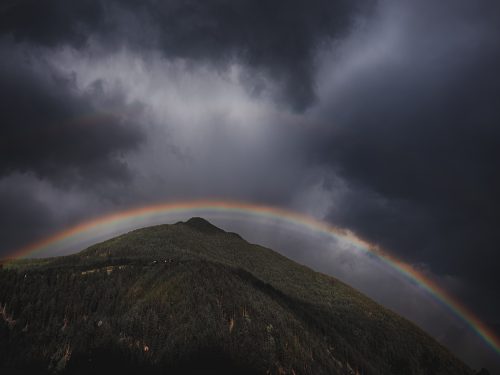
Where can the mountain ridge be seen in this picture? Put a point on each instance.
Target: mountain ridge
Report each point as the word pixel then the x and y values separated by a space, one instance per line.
pixel 190 288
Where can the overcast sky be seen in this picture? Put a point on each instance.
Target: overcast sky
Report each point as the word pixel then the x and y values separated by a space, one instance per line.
pixel 378 116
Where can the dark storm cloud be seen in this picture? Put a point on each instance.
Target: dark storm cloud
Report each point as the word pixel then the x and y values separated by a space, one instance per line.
pixel 51 22
pixel 52 129
pixel 279 38
pixel 21 209
pixel 416 135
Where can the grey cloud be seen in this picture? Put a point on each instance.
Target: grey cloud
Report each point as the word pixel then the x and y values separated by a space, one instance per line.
pixel 415 136
pixel 279 38
pixel 24 217
pixel 53 129
pixel 51 22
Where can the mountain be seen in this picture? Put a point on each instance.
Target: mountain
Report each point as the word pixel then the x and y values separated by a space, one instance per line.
pixel 192 298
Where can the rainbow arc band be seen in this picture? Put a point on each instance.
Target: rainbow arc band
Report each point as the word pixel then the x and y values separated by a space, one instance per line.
pixel 308 222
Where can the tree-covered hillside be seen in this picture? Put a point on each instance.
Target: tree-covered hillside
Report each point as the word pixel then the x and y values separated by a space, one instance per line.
pixel 191 298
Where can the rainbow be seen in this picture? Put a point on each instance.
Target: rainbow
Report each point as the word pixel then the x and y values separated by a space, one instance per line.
pixel 302 220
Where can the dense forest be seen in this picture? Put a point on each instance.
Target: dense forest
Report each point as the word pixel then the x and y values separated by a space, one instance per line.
pixel 192 298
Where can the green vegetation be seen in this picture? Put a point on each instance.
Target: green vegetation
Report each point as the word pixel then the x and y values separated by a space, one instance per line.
pixel 191 298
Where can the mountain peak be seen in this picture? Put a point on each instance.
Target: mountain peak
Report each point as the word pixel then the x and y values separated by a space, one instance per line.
pixel 259 311
pixel 203 225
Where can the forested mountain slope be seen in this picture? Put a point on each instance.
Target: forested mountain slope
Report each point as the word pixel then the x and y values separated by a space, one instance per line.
pixel 192 298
